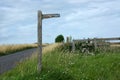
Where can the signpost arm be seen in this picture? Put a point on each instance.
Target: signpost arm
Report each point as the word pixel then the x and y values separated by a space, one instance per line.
pixel 39 41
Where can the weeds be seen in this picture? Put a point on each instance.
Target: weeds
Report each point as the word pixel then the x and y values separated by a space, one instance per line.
pixel 61 65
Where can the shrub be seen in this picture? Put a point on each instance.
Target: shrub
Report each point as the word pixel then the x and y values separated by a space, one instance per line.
pixel 59 38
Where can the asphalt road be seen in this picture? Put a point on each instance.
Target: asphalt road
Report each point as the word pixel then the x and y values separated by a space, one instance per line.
pixel 9 61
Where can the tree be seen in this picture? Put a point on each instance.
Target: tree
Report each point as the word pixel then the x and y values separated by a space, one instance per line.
pixel 59 38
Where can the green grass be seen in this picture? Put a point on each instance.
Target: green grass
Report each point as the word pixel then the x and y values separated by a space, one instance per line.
pixel 58 65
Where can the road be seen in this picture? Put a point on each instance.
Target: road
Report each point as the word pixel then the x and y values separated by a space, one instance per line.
pixel 9 61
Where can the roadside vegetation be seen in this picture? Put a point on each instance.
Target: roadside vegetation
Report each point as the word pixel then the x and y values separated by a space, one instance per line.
pixel 62 65
pixel 9 49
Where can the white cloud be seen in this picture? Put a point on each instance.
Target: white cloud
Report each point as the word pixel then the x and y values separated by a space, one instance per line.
pixel 93 10
pixel 85 14
pixel 78 1
pixel 76 16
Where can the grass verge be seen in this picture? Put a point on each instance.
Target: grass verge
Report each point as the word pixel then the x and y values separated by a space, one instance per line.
pixel 58 65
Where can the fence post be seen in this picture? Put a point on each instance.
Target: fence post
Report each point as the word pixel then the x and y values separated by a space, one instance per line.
pixel 73 46
pixel 95 43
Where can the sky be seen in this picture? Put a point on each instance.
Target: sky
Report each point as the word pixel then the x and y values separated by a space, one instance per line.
pixel 78 18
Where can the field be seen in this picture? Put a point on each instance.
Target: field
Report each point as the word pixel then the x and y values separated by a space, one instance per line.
pixel 115 45
pixel 59 65
pixel 9 49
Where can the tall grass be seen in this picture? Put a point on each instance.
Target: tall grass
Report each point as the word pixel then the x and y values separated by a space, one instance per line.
pixel 58 65
pixel 51 47
pixel 8 49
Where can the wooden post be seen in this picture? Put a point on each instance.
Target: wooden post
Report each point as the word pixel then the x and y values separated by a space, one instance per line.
pixel 95 43
pixel 73 46
pixel 39 41
pixel 40 17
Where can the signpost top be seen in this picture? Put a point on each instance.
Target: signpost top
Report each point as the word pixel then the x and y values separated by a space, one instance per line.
pixel 45 16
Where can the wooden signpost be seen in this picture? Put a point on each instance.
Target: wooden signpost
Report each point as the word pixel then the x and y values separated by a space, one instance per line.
pixel 40 17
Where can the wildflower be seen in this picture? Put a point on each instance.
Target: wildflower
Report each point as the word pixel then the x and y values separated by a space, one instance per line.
pixel 36 78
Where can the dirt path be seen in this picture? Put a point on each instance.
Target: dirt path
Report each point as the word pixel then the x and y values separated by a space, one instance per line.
pixel 9 61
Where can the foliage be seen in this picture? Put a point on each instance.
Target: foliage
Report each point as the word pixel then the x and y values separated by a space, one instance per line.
pixel 78 47
pixel 107 50
pixel 89 46
pixel 59 38
pixel 59 65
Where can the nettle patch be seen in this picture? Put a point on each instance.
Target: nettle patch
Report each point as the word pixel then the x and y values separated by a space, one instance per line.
pixel 82 47
pixel 86 47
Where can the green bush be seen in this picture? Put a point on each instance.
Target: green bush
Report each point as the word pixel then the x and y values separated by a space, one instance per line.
pixel 59 38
